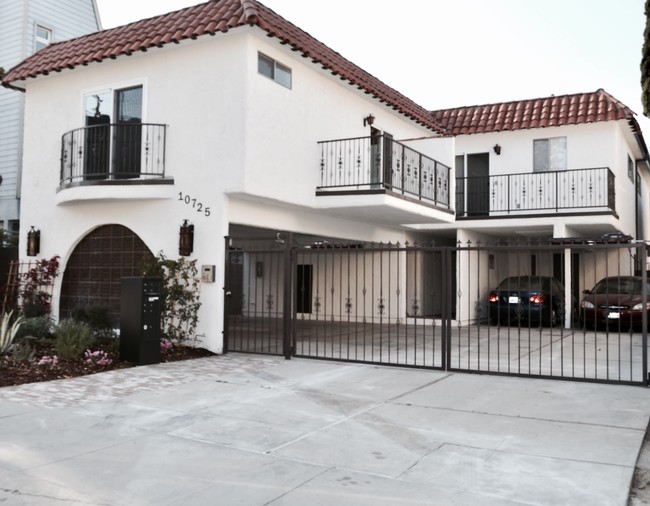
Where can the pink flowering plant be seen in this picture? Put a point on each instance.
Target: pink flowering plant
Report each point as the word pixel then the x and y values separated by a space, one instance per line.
pixel 49 361
pixel 99 358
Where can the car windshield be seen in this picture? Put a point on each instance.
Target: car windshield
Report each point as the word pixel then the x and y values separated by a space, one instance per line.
pixel 619 285
pixel 525 283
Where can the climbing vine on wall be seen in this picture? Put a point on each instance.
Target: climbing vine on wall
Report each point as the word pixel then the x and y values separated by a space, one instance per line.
pixel 180 296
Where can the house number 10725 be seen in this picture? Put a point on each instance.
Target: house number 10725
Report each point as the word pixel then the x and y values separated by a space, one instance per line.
pixel 200 208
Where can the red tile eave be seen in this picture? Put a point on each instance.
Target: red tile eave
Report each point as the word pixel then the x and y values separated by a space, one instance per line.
pixel 209 18
pixel 537 113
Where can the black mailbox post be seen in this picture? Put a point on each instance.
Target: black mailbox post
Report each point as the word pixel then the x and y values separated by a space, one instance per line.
pixel 140 320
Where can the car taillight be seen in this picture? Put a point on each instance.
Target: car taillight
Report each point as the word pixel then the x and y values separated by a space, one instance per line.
pixel 493 297
pixel 538 298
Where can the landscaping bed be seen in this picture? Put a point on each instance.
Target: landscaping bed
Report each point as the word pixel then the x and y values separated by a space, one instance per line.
pixel 16 371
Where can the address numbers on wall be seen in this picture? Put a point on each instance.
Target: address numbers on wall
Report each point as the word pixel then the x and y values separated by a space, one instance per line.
pixel 196 205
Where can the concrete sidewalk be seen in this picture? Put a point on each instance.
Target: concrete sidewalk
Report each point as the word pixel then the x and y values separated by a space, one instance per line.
pixel 251 430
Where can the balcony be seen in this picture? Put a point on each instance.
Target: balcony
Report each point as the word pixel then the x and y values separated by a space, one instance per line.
pixel 379 164
pixel 113 153
pixel 536 193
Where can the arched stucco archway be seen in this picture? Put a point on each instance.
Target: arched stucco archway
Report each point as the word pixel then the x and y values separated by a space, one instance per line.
pixel 94 271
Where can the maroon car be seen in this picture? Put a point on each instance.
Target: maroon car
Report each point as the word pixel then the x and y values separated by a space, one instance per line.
pixel 615 301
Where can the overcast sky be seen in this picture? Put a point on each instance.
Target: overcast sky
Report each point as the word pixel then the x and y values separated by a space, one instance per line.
pixel 447 53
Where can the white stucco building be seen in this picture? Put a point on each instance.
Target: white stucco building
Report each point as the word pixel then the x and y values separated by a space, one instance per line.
pixel 228 116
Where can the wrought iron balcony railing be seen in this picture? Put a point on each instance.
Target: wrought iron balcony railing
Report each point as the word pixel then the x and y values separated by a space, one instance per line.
pixel 378 164
pixel 113 152
pixel 536 192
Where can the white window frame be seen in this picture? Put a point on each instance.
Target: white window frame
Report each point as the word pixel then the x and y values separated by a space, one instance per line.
pixel 550 154
pixel 277 70
pixel 41 42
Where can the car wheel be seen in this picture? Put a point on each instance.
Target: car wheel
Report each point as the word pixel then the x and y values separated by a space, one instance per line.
pixel 552 320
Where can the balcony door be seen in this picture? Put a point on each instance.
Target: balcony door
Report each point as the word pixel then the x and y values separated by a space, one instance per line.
pixel 478 184
pixel 381 155
pixel 113 137
pixel 97 136
pixel 127 135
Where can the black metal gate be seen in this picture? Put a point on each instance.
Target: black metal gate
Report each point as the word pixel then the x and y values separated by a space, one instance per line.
pixel 496 309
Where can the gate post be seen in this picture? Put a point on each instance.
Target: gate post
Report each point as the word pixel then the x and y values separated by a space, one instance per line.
pixel 226 294
pixel 643 253
pixel 447 297
pixel 287 306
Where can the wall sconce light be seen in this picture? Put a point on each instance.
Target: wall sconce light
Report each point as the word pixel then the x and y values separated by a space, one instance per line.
pixel 368 120
pixel 33 242
pixel 497 149
pixel 186 239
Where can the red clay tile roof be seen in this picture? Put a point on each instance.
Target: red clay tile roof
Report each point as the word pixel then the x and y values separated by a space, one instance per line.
pixel 537 113
pixel 200 20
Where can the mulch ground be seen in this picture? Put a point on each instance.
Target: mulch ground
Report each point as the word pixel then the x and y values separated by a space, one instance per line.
pixel 18 372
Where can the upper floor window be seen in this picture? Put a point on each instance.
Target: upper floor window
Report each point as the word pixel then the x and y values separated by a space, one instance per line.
pixel 270 68
pixel 549 154
pixel 42 37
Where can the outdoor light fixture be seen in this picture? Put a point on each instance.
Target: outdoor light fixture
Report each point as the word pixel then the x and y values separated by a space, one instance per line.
pixel 368 120
pixel 33 242
pixel 497 149
pixel 186 239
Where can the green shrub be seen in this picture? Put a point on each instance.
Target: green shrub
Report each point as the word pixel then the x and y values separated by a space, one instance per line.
pixel 33 308
pixel 23 351
pixel 39 327
pixel 73 338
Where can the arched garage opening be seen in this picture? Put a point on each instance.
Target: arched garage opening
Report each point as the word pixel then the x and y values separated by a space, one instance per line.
pixel 93 274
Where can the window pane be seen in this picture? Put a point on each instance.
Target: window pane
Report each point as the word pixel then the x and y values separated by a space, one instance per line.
pixel 129 105
pixel 540 155
pixel 283 75
pixel 42 37
pixel 557 159
pixel 99 108
pixel 265 65
pixel 42 33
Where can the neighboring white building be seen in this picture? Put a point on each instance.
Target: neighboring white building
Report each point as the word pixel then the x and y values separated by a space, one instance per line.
pixel 561 166
pixel 27 26
pixel 228 116
pixel 571 167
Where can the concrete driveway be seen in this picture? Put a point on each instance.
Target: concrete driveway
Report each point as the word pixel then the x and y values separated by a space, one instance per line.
pixel 253 430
